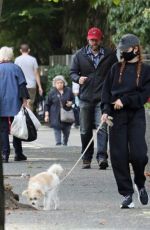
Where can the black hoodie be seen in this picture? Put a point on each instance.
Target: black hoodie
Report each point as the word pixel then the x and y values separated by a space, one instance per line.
pixel 131 95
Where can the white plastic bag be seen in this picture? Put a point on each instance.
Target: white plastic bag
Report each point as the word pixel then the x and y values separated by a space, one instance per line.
pixel 19 126
pixel 34 119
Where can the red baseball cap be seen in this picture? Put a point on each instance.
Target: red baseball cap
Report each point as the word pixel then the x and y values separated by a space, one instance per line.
pixel 94 33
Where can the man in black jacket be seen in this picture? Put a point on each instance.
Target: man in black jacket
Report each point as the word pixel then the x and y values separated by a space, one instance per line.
pixel 89 68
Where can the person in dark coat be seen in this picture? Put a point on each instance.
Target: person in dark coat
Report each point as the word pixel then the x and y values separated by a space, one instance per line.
pixel 59 95
pixel 125 91
pixel 89 68
pixel 13 94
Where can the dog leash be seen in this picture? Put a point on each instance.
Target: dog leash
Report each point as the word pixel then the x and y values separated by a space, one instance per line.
pixel 109 123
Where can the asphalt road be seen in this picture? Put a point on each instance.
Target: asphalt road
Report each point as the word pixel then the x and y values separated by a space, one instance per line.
pixel 88 198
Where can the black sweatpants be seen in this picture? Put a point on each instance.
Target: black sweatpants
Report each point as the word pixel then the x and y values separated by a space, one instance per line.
pixel 127 145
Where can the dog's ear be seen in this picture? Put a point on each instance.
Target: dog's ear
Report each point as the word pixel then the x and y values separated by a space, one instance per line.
pixel 40 192
pixel 25 193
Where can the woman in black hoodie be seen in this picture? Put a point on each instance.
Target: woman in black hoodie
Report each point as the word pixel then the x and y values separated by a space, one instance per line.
pixel 125 91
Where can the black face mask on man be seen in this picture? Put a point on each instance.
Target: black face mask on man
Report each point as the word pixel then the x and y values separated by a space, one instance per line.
pixel 128 56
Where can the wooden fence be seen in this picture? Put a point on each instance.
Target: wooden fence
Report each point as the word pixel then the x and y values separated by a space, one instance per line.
pixel 66 60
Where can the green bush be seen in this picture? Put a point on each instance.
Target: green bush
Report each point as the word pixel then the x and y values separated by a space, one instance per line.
pixel 57 70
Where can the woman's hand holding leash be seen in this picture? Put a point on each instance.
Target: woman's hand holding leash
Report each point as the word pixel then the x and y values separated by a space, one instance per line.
pixel 104 117
pixel 107 119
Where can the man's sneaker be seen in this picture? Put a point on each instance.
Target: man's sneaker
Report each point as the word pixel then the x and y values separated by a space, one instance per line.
pixel 20 157
pixel 142 195
pixel 127 202
pixel 103 164
pixel 86 164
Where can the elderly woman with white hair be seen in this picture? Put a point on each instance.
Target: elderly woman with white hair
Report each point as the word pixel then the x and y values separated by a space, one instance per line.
pixel 13 94
pixel 59 95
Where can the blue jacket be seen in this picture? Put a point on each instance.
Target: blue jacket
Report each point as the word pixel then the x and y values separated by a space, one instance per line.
pixel 11 78
pixel 52 105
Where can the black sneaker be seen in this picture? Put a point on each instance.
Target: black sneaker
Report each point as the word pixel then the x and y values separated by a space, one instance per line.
pixel 127 202
pixel 86 164
pixel 142 195
pixel 58 143
pixel 20 157
pixel 103 164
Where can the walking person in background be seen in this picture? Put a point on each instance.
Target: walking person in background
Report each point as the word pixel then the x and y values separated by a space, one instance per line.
pixel 13 95
pixel 29 67
pixel 124 94
pixel 89 69
pixel 60 95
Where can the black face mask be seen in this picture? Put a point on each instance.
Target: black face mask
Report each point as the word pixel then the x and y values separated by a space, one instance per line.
pixel 129 55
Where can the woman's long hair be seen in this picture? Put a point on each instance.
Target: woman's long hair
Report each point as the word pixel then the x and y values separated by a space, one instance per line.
pixel 138 67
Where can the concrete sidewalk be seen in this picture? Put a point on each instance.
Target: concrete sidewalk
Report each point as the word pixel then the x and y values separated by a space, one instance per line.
pixel 88 198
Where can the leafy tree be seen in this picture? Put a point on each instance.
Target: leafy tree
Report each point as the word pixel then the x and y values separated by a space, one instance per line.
pixel 79 16
pixel 60 26
pixel 49 27
pixel 127 16
pixel 35 22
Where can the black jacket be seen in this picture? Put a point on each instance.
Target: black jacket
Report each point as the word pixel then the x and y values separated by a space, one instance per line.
pixel 52 105
pixel 82 65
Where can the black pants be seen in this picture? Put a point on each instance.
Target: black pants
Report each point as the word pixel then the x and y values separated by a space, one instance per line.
pixel 90 119
pixel 5 139
pixel 127 145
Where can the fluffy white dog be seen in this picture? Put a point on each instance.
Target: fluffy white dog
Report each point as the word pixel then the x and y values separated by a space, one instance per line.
pixel 44 185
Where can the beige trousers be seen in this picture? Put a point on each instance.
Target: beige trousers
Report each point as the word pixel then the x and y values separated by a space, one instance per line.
pixel 32 94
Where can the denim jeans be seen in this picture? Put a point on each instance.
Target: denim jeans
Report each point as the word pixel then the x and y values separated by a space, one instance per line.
pixel 89 119
pixel 5 123
pixel 65 129
pixel 76 111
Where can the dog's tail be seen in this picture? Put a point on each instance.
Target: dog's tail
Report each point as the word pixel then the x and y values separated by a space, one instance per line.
pixel 56 169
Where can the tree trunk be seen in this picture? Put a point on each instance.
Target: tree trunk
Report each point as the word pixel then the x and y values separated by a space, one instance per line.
pixel 1 4
pixel 12 200
pixel 2 215
pixel 1 191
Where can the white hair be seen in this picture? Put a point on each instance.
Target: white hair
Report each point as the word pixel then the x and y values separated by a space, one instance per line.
pixel 6 54
pixel 59 78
